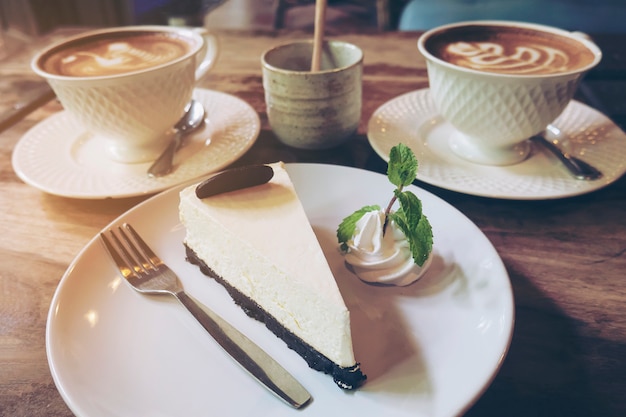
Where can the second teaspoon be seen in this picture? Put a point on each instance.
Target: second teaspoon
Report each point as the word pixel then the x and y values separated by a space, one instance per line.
pixel 578 168
pixel 191 120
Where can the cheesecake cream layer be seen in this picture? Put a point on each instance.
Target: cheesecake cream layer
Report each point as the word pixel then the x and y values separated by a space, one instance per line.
pixel 260 241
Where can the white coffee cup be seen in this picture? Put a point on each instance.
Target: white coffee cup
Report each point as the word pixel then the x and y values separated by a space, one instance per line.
pixel 132 87
pixel 313 110
pixel 491 81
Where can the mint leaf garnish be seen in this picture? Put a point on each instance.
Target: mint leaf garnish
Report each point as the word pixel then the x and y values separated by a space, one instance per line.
pixel 402 166
pixel 401 172
pixel 415 225
pixel 348 225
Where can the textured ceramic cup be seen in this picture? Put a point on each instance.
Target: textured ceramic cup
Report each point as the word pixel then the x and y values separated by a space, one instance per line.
pixel 133 110
pixel 313 110
pixel 495 113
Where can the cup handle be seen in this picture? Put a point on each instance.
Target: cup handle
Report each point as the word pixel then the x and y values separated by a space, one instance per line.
pixel 581 35
pixel 208 54
pixel 585 38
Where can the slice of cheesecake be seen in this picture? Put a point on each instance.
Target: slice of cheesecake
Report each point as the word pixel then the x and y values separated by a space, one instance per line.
pixel 258 243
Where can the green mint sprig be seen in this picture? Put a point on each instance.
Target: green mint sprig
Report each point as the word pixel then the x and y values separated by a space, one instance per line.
pixel 401 171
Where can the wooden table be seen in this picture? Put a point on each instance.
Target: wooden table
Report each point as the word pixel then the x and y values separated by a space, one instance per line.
pixel 566 258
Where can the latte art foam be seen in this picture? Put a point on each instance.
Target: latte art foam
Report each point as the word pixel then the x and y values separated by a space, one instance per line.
pixel 509 49
pixel 526 59
pixel 116 56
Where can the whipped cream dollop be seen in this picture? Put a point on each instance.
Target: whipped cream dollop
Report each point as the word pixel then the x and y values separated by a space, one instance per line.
pixel 383 259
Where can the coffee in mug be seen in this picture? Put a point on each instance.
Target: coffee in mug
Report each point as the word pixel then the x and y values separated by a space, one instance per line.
pixel 509 50
pixel 118 54
pixel 313 110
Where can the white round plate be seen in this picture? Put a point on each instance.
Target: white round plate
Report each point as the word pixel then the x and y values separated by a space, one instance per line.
pixel 584 132
pixel 59 157
pixel 429 349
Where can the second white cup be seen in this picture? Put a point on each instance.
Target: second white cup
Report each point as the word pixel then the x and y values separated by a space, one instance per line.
pixel 499 83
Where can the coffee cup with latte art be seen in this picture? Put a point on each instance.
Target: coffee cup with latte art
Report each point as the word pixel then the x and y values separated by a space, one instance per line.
pixel 128 85
pixel 499 83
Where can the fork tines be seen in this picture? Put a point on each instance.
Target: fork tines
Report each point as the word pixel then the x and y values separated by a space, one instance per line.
pixel 123 248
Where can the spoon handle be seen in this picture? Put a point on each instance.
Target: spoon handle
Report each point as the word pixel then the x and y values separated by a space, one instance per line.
pixel 163 164
pixel 578 168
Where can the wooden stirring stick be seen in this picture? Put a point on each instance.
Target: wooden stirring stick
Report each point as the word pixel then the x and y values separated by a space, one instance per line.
pixel 318 35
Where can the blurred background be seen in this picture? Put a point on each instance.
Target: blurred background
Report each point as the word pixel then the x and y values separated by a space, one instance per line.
pixel 22 19
pixel 40 16
pixel 34 17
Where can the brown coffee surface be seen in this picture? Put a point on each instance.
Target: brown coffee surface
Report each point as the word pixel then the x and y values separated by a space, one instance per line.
pixel 114 53
pixel 509 50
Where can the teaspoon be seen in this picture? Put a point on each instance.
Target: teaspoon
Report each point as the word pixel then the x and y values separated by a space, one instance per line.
pixel 578 168
pixel 191 120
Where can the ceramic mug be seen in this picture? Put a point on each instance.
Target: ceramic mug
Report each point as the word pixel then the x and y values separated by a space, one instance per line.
pixel 499 83
pixel 128 85
pixel 313 110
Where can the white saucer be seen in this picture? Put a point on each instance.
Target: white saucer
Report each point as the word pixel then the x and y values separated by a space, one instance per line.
pixel 584 132
pixel 59 157
pixel 429 349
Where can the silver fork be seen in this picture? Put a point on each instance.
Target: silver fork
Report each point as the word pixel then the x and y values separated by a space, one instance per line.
pixel 146 273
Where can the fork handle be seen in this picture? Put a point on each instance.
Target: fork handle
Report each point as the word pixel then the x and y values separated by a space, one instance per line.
pixel 249 355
